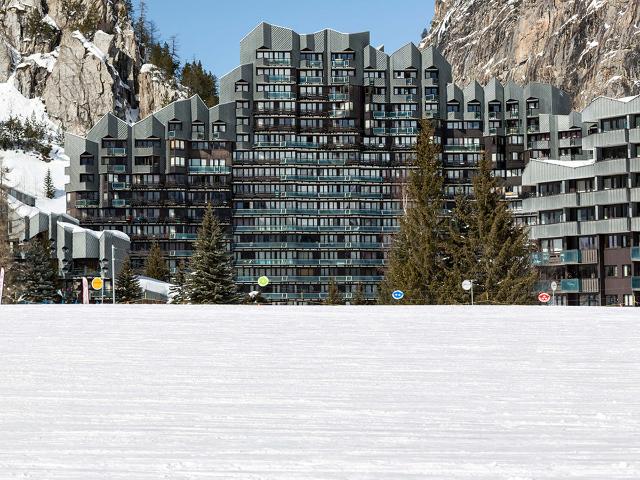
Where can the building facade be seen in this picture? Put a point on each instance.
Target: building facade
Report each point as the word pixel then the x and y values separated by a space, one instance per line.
pixel 305 157
pixel 587 212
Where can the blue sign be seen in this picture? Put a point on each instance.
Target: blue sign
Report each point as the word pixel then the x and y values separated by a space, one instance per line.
pixel 397 294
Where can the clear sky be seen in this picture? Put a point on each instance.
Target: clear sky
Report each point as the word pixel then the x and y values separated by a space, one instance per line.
pixel 210 30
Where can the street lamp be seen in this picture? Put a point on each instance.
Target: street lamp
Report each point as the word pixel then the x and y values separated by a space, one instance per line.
pixel 104 269
pixel 66 268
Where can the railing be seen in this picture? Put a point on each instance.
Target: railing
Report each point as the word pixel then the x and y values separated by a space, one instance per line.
pixel 554 258
pixel 86 203
pixel 431 113
pixel 180 253
pixel 513 130
pixel 311 64
pixel 532 112
pixel 513 113
pixel 338 113
pixel 341 79
pixel 277 61
pixel 198 136
pixel 635 283
pixel 117 168
pixel 464 148
pixel 411 98
pixel 120 203
pixel 635 254
pixel 183 236
pixel 404 131
pixel 307 80
pixel 432 98
pixel 307 245
pixel 120 185
pixel 533 128
pixel 280 95
pixel 290 261
pixel 380 131
pixel 312 279
pixel 338 96
pixel 570 285
pixel 341 63
pixel 209 169
pixel 115 152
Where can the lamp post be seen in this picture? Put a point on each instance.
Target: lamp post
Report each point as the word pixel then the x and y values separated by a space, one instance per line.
pixel 66 268
pixel 104 269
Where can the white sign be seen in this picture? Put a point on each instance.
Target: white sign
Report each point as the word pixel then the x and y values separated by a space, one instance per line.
pixel 466 285
pixel 85 290
pixel 397 294
pixel 554 286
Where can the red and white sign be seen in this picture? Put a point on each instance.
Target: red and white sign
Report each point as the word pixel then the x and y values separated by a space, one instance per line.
pixel 544 297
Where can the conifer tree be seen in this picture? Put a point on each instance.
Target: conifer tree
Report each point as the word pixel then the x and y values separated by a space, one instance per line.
pixel 49 187
pixel 488 247
pixel 128 288
pixel 155 266
pixel 200 81
pixel 37 278
pixel 358 297
pixel 415 260
pixel 176 290
pixel 333 295
pixel 211 277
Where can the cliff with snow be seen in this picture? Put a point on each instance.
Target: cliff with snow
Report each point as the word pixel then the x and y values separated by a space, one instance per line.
pixel 78 77
pixel 586 47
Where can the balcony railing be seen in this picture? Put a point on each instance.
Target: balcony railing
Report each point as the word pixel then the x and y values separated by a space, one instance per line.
pixel 120 185
pixel 183 236
pixel 340 79
pixel 380 131
pixel 117 168
pixel 411 98
pixel 635 254
pixel 635 283
pixel 209 169
pixel 432 98
pixel 312 80
pixel 277 61
pixel 115 152
pixel 338 63
pixel 431 113
pixel 463 148
pixel 338 96
pixel 311 64
pixel 514 113
pixel 83 203
pixel 280 78
pixel 119 203
pixel 556 258
pixel 280 95
pixel 404 131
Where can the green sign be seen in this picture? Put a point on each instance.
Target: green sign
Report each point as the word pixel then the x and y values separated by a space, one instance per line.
pixel 263 281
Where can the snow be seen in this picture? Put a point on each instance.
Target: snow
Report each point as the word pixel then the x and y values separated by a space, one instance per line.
pixel 571 163
pixel 13 103
pixel 288 393
pixel 45 60
pixel 90 46
pixel 159 287
pixel 27 174
pixel 47 19
pixel 147 67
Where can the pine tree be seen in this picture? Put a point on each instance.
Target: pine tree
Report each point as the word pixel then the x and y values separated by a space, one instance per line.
pixel 37 278
pixel 211 277
pixel 415 260
pixel 155 266
pixel 177 293
pixel 128 288
pixel 333 295
pixel 200 81
pixel 49 187
pixel 358 297
pixel 489 247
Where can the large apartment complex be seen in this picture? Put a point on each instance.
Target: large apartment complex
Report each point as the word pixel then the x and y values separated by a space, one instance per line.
pixel 305 157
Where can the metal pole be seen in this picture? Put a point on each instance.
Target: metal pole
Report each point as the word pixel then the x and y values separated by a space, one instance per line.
pixel 113 273
pixel 471 292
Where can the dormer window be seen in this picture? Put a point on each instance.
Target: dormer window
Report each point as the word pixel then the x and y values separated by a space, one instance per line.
pixel 175 125
pixel 219 127
pixel 431 73
pixel 473 107
pixel 197 131
pixel 453 107
pixel 495 107
pixel 87 159
pixel 242 86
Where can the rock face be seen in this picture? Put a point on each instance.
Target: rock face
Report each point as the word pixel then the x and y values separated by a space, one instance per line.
pixel 80 78
pixel 156 91
pixel 586 47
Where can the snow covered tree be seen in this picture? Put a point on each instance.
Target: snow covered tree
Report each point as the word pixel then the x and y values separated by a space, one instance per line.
pixel 415 260
pixel 128 288
pixel 211 277
pixel 176 290
pixel 488 247
pixel 37 277
pixel 49 187
pixel 155 266
pixel 333 295
pixel 358 297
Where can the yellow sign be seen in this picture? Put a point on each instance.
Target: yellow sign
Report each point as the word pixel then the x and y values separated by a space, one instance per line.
pixel 96 283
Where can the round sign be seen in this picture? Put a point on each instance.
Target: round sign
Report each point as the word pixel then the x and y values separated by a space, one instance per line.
pixel 263 281
pixel 397 294
pixel 466 285
pixel 554 286
pixel 97 283
pixel 544 297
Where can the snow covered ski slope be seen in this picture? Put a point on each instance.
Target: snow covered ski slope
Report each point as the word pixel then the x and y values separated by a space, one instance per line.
pixel 168 392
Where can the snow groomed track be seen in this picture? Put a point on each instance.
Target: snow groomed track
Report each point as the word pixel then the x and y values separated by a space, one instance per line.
pixel 165 392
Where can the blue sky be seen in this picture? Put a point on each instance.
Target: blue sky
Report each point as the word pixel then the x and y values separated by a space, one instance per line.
pixel 210 30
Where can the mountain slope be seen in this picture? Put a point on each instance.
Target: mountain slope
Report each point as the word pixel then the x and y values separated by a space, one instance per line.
pixel 586 47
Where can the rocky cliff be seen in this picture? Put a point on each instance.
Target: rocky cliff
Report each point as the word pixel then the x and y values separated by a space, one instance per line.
pixel 80 57
pixel 586 47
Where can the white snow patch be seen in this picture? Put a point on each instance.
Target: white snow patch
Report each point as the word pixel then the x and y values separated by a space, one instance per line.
pixel 288 393
pixel 147 67
pixel 45 60
pixel 13 103
pixel 90 46
pixel 47 19
pixel 570 163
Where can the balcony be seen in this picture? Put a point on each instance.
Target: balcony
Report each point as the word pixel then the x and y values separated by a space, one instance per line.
pixel 310 80
pixel 411 98
pixel 280 95
pixel 513 130
pixel 114 152
pixel 463 148
pixel 380 131
pixel 404 131
pixel 209 169
pixel 180 253
pixel 339 63
pixel 513 113
pixel 117 168
pixel 342 79
pixel 339 113
pixel 533 128
pixel 431 98
pixel 532 112
pixel 83 203
pixel 495 115
pixel 612 138
pixel 538 145
pixel 565 257
pixel 569 142
pixel 311 64
pixel 280 79
pixel 302 144
pixel 635 254
pixel 120 203
pixel 338 96
pixel 285 62
pixel 570 285
pixel 405 81
pixel 183 236
pixel 635 284
pixel 120 186
pixel 431 114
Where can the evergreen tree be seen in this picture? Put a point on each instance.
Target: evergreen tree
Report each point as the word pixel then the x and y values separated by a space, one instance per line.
pixel 155 266
pixel 176 290
pixel 49 187
pixel 211 277
pixel 37 278
pixel 358 297
pixel 416 263
pixel 333 295
pixel 489 247
pixel 128 288
pixel 200 81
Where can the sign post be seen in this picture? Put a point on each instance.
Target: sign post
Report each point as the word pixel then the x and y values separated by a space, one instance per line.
pixel 468 285
pixel 1 283
pixel 554 287
pixel 85 291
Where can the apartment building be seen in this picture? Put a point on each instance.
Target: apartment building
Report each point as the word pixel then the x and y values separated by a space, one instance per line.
pixel 305 157
pixel 587 210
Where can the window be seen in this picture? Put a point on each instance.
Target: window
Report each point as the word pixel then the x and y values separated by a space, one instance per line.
pixel 175 126
pixel 219 127
pixel 242 104
pixel 431 74
pixel 611 270
pixel 453 107
pixel 629 300
pixel 242 87
pixel 242 138
pixel 86 160
pixel 611 299
pixel 86 177
pixel 618 241
pixel 617 123
pixel 627 270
